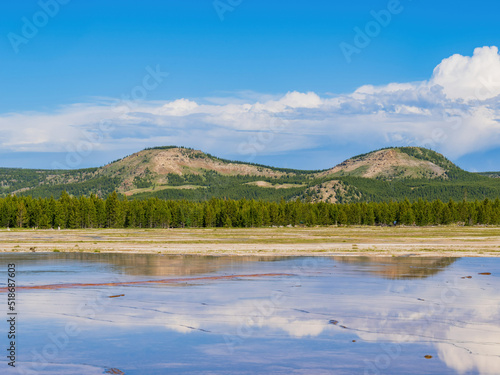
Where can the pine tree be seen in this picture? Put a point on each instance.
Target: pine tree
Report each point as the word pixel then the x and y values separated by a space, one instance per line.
pixel 113 210
pixel 22 215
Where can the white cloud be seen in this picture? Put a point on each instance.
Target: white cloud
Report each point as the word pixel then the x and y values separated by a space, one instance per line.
pixel 292 100
pixel 470 78
pixel 178 107
pixel 456 112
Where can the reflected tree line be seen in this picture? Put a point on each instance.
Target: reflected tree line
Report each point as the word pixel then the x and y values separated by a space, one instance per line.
pixel 117 212
pixel 192 265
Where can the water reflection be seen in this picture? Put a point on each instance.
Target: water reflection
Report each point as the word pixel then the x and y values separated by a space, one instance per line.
pixel 337 315
pixel 145 264
pixel 186 265
pixel 398 267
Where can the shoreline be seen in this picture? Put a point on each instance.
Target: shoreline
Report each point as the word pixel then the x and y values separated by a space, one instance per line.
pixel 440 241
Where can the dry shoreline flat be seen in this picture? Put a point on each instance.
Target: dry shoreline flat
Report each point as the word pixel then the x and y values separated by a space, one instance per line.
pixel 454 241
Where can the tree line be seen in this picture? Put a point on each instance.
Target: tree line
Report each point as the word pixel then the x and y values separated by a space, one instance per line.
pixel 115 212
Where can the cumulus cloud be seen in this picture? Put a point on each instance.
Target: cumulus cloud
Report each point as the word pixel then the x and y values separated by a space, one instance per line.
pixel 470 78
pixel 456 112
pixel 178 107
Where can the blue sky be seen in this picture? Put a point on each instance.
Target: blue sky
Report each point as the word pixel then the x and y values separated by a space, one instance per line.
pixel 229 80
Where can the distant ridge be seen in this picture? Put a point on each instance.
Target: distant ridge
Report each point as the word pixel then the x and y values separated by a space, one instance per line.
pixel 397 162
pixel 172 172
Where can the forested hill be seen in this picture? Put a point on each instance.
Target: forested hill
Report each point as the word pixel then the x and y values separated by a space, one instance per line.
pixel 490 174
pixel 181 173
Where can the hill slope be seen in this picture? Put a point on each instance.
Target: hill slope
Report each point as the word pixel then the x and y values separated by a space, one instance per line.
pixel 387 164
pixel 182 173
pixel 397 163
pixel 161 166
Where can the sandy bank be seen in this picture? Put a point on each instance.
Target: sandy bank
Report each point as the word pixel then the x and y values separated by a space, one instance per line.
pixel 414 241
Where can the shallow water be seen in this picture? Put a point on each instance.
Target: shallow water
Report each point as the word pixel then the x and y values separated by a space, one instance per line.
pixel 280 315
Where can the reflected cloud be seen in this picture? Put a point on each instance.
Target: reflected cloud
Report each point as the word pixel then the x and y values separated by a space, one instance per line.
pixel 411 302
pixel 51 369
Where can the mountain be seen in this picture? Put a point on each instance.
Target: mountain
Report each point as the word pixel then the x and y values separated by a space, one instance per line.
pixel 390 164
pixel 163 166
pixel 183 173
